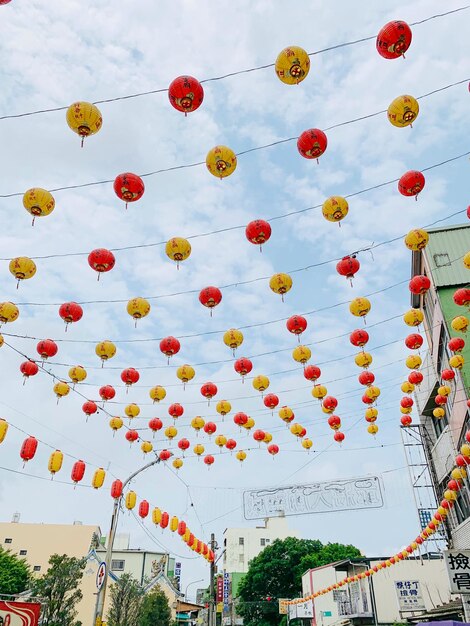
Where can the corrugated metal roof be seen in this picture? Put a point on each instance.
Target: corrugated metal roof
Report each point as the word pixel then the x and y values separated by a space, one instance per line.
pixel 444 254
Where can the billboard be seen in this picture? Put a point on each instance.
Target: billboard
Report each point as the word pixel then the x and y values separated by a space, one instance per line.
pixel 19 613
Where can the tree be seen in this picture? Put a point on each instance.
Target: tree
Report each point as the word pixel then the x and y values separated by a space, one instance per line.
pixel 155 609
pixel 126 601
pixel 277 572
pixel 59 590
pixel 15 573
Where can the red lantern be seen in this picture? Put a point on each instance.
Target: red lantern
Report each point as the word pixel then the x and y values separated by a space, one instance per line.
pixel 330 403
pixel 406 402
pixel 414 341
pixel 78 471
pixel 302 432
pixel 89 407
pixel 456 344
pixel 209 459
pixel 367 399
pixel 243 366
pixel 240 419
pixel 461 460
pixel 170 346
pixel 271 401
pixel 454 485
pixel 164 520
pixel 191 539
pixel 183 444
pixel 415 378
pixel 440 400
pixel 419 285
pixel 447 375
pixel 107 392
pixel 273 449
pixel 462 297
pixel 259 435
pixel 210 428
pixel 132 435
pixel 116 489
pixel 366 378
pixel 129 187
pixel 47 348
pixel 181 528
pixel 467 436
pixel 394 39
pixel 101 260
pixel 209 390
pixel 411 183
pixel 334 422
pixel 29 368
pixel 144 508
pixel 130 376
pixel 28 449
pixel 164 455
pixel 258 232
pixel 338 436
pixel 359 338
pixel 175 410
pixel 348 267
pixel 70 312
pixel 155 424
pixel 406 420
pixel 296 325
pixel 210 297
pixel 312 372
pixel 186 94
pixel 231 444
pixel 312 143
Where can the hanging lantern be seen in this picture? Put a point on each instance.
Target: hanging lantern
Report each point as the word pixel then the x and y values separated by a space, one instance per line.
pixel 155 424
pixel 286 414
pixel 28 449
pixel 183 444
pixel 165 455
pixel 363 359
pixel 366 378
pixel 38 202
pixel 29 368
pixel 413 362
pixel 221 161
pixel 132 410
pixel 329 404
pixel 138 308
pixel 249 423
pixel 101 260
pixel 414 341
pixel 77 374
pixel 144 509
pixel 209 459
pixel 415 378
pixel 335 208
pixel 105 350
pixel 210 297
pixel 419 285
pixel 220 441
pixel 259 435
pixel 174 523
pixel 307 443
pixel 210 428
pixel 157 393
pixel 170 346
pixel 359 338
pixel 70 312
pixel 223 407
pixel 131 436
pixel 334 422
pixel 197 423
pixel 78 471
pixel 175 410
pixel 372 392
pixel 260 383
pixel 240 419
pixel 460 323
pixel 319 392
pixel 156 516
pixel 115 424
pixel 209 390
pixel 292 65
pixel 338 436
pixel 406 402
pixel 9 312
pixel 373 429
pixel 411 183
pixel 367 400
pixel 231 444
pixel 185 373
pixel 129 187
pixel 107 392
pixel 466 260
pixel 258 232
pixel 312 372
pixel 233 338
pixel 371 415
pixel 348 267
pixel 456 344
pixel 186 94
pixel 55 462
pixel 3 429
pixel 301 354
pixel 296 325
pixel 198 449
pixel 440 400
pixel 22 268
pixel 457 361
pixel 130 500
pixel 360 307
pixel 394 39
pixel 130 376
pixel 403 111
pixel 241 455
pixel 273 449
pixel 406 420
pixel 177 463
pixel 61 389
pixel 47 348
pixel 462 297
pixel 242 366
pixel 416 239
pixel 312 143
pixel 280 283
pixel 447 375
pixel 84 119
pixel 413 317
pixel 171 432
pixel 178 249
pixel 116 489
pixel 267 437
pixel 271 401
pixel 407 387
pixel 444 390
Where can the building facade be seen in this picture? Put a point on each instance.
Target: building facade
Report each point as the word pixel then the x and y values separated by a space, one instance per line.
pixel 441 262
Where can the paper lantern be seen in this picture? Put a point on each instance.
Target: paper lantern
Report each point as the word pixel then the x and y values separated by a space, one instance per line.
pixel 394 39
pixel 223 407
pixel 312 143
pixel 138 308
pixel 419 285
pixel 55 462
pixel 115 424
pixel 241 455
pixel 359 338
pixel 335 208
pixel 107 392
pixel 130 376
pixel 221 161
pixel 105 350
pixel 129 187
pixel 286 414
pixel 3 429
pixel 70 312
pixel 360 307
pixel 301 354
pixel 28 449
pixel 258 232
pixel 296 324
pixel 416 240
pixel 84 119
pixel 414 341
pixel 413 317
pixel 131 436
pixel 157 393
pixel 178 249
pixel 413 362
pixel 116 489
pixel 101 260
pixel 185 373
pixel 9 312
pixel 175 410
pixel 38 202
pixel 292 65
pixel 462 297
pixel 185 94
pixel 146 447
pixel 177 463
pixel 233 338
pixel 61 389
pixel 363 359
pixel 260 383
pixel 22 268
pixel 78 471
pixel 231 444
pixel 457 361
pixel 403 111
pixel 155 424
pixel 280 283
pixel 130 500
pixel 170 346
pixel 210 297
pixel 411 183
pixel 319 392
pixel 460 323
pixel 312 372
pixel 28 368
pixel 98 478
pixel 47 348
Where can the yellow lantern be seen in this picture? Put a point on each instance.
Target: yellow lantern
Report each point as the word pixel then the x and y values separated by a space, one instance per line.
pixel 416 239
pixel 55 462
pixel 413 362
pixel 413 317
pixel 301 354
pixel 442 511
pixel 363 359
pixel 371 414
pixel 220 441
pixel 241 455
pixel 438 412
pixel 221 161
pixel 22 268
pixel 267 438
pixel 359 307
pixel 260 383
pixel 286 413
pixel 2 341
pixel 466 260
pixel 178 249
pixel 248 425
pixel 61 389
pixel 307 443
pixel 174 523
pixel 335 208
pixel 406 410
pixel 372 429
pixel 115 423
pixel 186 536
pixel 132 410
pixel 407 387
pixel 444 390
pixel 197 423
pixel 146 447
pixel 233 338
pixel 157 393
pixel 98 478
pixel 185 373
pixel 38 202
pixel 156 516
pixel 457 361
pixel 465 449
pixel 403 111
pixel 460 323
pixel 223 407
pixel 3 429
pixel 171 432
pixel 131 499
pixel 77 374
pixel 105 350
pixel 9 312
pixel 84 119
pixel 138 308
pixel 280 283
pixel 198 449
pixel 292 65
pixel 319 392
pixel 450 495
pixel 372 392
pixel 296 429
pixel 177 463
pixel 459 473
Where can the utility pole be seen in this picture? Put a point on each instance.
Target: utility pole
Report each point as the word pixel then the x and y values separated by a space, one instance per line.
pixel 212 612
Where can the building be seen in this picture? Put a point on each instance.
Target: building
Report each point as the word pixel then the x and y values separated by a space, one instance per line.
pixel 411 588
pixel 441 262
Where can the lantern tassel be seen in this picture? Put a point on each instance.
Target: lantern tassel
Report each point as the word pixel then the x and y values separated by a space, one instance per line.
pixel 32 223
pixel 99 274
pixel 66 326
pixel 24 380
pixel 211 311
pixel 83 139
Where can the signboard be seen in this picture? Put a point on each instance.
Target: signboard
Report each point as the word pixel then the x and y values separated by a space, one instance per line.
pixel 458 569
pixel 283 606
pixel 178 575
pixel 323 497
pixel 226 588
pixel 100 575
pixel 19 613
pixel 301 610
pixel 409 595
pixel 326 613
pixel 220 588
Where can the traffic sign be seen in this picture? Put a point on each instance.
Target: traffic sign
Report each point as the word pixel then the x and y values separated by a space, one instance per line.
pixel 100 575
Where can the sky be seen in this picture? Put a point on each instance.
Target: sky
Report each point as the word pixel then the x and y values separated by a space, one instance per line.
pixel 56 53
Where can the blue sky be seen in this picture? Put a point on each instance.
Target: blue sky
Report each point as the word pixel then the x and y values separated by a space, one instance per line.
pixel 53 56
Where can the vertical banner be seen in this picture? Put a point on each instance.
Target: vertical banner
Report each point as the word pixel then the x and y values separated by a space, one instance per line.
pixel 178 575
pixel 220 588
pixel 226 588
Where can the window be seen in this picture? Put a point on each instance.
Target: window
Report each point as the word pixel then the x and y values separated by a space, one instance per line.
pixel 241 558
pixel 241 541
pixel 23 552
pixel 117 565
pixel 37 568
pixel 268 541
pixel 442 260
pixel 8 540
pixel 262 542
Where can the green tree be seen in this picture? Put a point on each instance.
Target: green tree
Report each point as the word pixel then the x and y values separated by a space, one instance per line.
pixel 15 573
pixel 59 589
pixel 155 609
pixel 126 602
pixel 277 572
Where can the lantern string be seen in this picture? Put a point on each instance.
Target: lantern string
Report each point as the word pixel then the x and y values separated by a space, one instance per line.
pixel 235 73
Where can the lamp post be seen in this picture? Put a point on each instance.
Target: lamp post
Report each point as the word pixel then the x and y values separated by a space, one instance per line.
pixel 101 596
pixel 201 580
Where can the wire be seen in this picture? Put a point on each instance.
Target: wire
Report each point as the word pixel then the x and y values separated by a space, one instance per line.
pixel 159 543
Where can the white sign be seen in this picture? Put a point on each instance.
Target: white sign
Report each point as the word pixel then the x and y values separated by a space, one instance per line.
pixel 100 575
pixel 409 595
pixel 302 610
pixel 458 569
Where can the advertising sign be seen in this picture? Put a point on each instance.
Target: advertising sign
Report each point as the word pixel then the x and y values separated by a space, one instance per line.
pixel 302 610
pixel 220 589
pixel 178 575
pixel 458 569
pixel 409 595
pixel 19 613
pixel 226 588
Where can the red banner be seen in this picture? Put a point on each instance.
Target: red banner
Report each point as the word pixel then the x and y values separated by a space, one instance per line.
pixel 19 613
pixel 220 589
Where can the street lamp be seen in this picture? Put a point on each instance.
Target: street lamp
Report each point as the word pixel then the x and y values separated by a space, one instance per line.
pixel 201 580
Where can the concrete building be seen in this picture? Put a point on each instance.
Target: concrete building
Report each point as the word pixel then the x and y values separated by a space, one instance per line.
pixel 410 588
pixel 441 261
